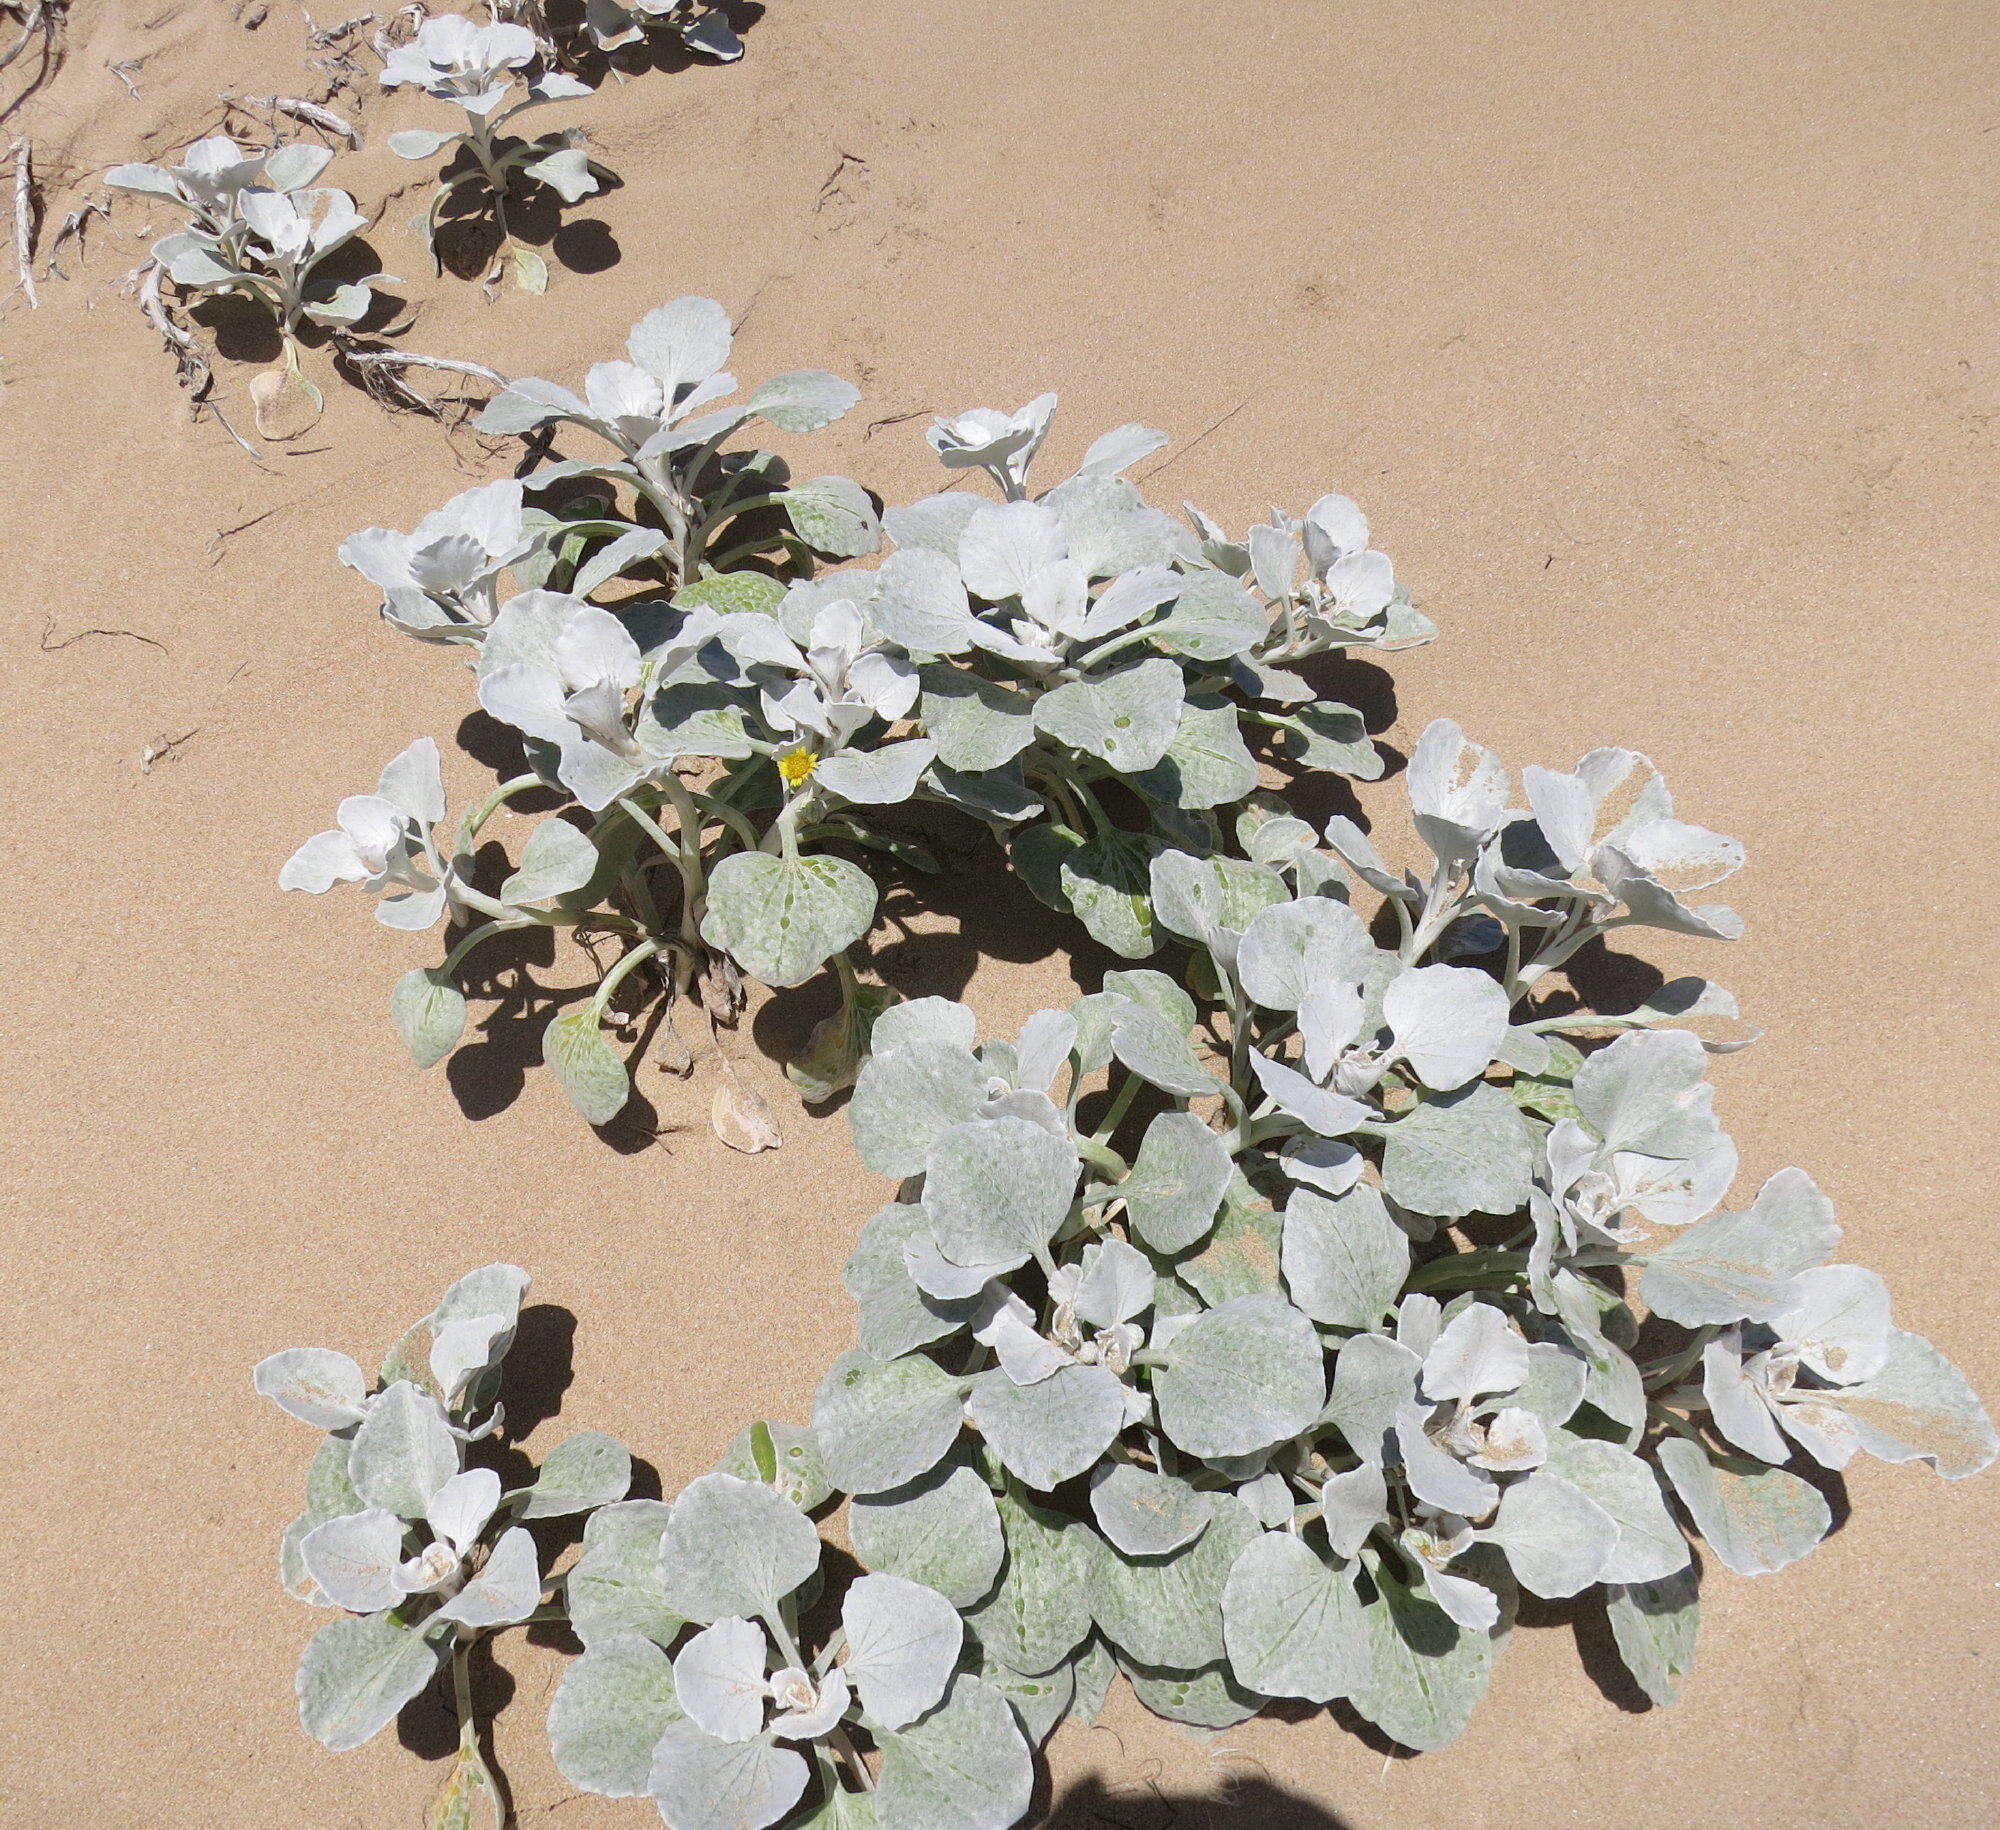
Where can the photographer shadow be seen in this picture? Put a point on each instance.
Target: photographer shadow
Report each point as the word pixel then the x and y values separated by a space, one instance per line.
pixel 1246 1803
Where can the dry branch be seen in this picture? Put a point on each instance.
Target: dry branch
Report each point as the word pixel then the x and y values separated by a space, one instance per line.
pixel 25 213
pixel 309 112
pixel 379 371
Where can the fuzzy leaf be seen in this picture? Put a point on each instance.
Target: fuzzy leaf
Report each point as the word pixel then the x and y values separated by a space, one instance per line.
pixel 1650 1547
pixel 1344 1259
pixel 1460 1153
pixel 1038 1615
pixel 1212 619
pixel 1126 719
pixel 962 1767
pixel 782 919
pixel 942 1530
pixel 1426 1673
pixel 356 1675
pixel 996 1189
pixel 1167 1610
pixel 1241 1377
pixel 1145 1514
pixel 1177 1182
pixel 1653 1625
pixel 1557 1538
pixel 614 1704
pixel 586 1066
pixel 1292 1623
pixel 719 1677
pixel 880 1425
pixel 734 1547
pixel 903 1642
pixel 1373 1378
pixel 701 1783
pixel 834 516
pixel 581 1472
pixel 1206 765
pixel 316 1385
pixel 1449 1022
pixel 732 593
pixel 1051 1431
pixel 505 1592
pixel 976 723
pixel 1241 1255
pixel 895 1316
pixel 428 1011
pixel 1293 949
pixel 354 1559
pixel 802 400
pixel 1201 1700
pixel 1158 1051
pixel 1918 1407
pixel 1739 1267
pixel 1755 1519
pixel 784 1456
pixel 402 1453
pixel 614 1587
pixel 908 1094
pixel 556 859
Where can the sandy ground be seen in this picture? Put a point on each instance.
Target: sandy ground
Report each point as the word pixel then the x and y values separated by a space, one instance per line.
pixel 1658 342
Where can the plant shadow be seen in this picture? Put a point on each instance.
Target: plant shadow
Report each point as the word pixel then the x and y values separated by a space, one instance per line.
pixel 659 50
pixel 973 910
pixel 468 238
pixel 1247 1802
pixel 245 330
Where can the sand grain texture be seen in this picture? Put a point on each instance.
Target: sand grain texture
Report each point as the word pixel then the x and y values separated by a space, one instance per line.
pixel 1658 342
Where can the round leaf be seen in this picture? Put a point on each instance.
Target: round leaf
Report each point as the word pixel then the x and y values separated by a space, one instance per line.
pixel 783 918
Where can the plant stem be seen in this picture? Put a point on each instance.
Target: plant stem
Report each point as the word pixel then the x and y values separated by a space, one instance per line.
pixel 618 974
pixel 485 931
pixel 468 828
pixel 683 849
pixel 1468 1270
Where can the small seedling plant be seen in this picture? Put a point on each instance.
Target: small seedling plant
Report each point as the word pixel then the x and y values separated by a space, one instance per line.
pixel 479 70
pixel 738 716
pixel 258 229
pixel 423 1557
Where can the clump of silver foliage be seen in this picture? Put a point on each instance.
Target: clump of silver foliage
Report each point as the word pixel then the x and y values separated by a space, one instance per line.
pixel 734 714
pixel 1262 1324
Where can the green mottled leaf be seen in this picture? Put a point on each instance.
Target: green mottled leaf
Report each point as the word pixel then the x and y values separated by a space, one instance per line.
pixel 783 918
pixel 586 1065
pixel 1460 1153
pixel 356 1675
pixel 834 516
pixel 428 1011
pixel 614 1704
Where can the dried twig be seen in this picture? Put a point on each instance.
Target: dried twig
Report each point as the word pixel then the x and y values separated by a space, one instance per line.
pixel 41 26
pixel 163 748
pixel 338 62
pixel 26 213
pixel 71 228
pixel 385 41
pixel 309 112
pixel 123 73
pixel 191 366
pixel 70 641
pixel 379 371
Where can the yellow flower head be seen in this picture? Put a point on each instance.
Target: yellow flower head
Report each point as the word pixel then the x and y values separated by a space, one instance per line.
pixel 796 765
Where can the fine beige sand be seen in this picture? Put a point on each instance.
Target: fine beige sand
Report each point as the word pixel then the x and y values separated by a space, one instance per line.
pixel 1658 342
